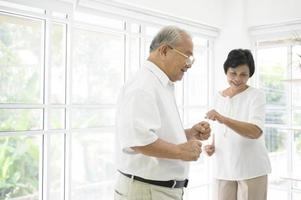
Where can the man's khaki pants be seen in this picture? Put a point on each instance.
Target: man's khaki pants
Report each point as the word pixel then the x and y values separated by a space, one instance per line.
pixel 250 189
pixel 129 189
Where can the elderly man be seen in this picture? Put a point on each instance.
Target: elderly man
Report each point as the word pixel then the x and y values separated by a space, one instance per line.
pixel 152 147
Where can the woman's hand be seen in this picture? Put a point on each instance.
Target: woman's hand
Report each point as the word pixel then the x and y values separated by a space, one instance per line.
pixel 215 116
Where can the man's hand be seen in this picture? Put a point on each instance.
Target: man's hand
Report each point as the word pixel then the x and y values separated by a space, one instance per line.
pixel 210 149
pixel 190 150
pixel 200 131
pixel 215 116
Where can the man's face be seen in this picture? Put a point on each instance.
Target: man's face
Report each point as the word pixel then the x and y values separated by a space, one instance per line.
pixel 176 61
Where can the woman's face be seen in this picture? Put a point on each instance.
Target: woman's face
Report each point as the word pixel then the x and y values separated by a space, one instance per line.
pixel 238 77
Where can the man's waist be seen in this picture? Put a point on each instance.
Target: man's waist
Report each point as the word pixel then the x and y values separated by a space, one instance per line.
pixel 168 183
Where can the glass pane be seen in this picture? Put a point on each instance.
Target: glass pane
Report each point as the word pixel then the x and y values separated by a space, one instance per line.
pixel 194 115
pixel 57 64
pixel 296 93
pixel 179 93
pixel 21 60
pixel 146 45
pixel 296 157
pixel 296 196
pixel 297 118
pixel 92 118
pixel 21 119
pixel 19 161
pixel 277 116
pixel 56 166
pixel 135 28
pixel 93 170
pixel 272 65
pixel 151 31
pixel 296 62
pixel 277 194
pixel 56 118
pixel 275 140
pixel 134 57
pixel 196 80
pixel 199 41
pixel 97 71
pixel 296 76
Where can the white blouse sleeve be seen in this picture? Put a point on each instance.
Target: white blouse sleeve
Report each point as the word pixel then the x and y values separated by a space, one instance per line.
pixel 257 110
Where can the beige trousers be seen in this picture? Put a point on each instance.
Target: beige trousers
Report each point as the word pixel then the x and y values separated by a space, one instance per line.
pixel 250 189
pixel 128 189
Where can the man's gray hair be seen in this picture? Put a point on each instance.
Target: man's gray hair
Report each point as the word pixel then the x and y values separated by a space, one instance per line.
pixel 170 35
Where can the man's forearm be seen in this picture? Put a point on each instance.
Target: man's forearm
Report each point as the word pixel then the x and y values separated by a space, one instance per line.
pixel 160 149
pixel 188 134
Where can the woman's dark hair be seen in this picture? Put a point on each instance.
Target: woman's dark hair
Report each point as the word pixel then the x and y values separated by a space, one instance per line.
pixel 238 57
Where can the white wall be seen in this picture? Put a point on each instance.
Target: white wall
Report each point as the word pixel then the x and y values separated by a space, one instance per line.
pixel 207 12
pixel 233 35
pixel 260 12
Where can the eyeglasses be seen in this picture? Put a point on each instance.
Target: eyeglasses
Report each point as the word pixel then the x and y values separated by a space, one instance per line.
pixel 189 59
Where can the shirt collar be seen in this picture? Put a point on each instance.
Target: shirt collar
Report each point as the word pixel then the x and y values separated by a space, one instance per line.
pixel 158 73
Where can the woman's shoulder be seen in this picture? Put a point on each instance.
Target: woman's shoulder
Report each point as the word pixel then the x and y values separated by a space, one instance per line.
pixel 255 91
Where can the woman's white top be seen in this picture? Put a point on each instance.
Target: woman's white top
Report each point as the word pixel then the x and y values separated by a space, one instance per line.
pixel 237 157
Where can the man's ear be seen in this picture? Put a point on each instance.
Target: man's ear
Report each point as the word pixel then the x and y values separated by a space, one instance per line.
pixel 163 50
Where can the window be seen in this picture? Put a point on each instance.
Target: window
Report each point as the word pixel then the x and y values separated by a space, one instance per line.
pixel 279 75
pixel 59 79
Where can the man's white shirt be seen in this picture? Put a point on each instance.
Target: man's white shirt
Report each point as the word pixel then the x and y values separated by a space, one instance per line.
pixel 147 111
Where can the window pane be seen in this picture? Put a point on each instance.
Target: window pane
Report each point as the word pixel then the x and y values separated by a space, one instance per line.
pixel 135 28
pixel 21 50
pixel 194 115
pixel 93 171
pixel 196 80
pixel 296 62
pixel 57 65
pixel 19 161
pixel 21 119
pixel 297 118
pixel 92 118
pixel 179 93
pixel 272 71
pixel 97 71
pixel 134 56
pixel 275 140
pixel 296 196
pixel 56 118
pixel 296 159
pixel 277 116
pixel 56 166
pixel 151 31
pixel 277 194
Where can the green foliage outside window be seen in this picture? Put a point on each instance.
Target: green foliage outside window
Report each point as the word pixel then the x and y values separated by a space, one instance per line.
pixel 19 172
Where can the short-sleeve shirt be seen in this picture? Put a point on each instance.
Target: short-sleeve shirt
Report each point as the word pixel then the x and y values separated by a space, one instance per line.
pixel 147 111
pixel 238 157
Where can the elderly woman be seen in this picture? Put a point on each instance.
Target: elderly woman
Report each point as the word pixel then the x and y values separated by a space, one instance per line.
pixel 242 161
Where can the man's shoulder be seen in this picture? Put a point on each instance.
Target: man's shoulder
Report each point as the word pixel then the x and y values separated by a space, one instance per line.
pixel 143 79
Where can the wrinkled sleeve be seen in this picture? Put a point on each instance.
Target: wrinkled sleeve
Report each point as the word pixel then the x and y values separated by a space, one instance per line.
pixel 138 119
pixel 257 110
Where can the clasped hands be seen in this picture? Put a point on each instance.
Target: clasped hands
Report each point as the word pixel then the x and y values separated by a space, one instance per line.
pixel 192 149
